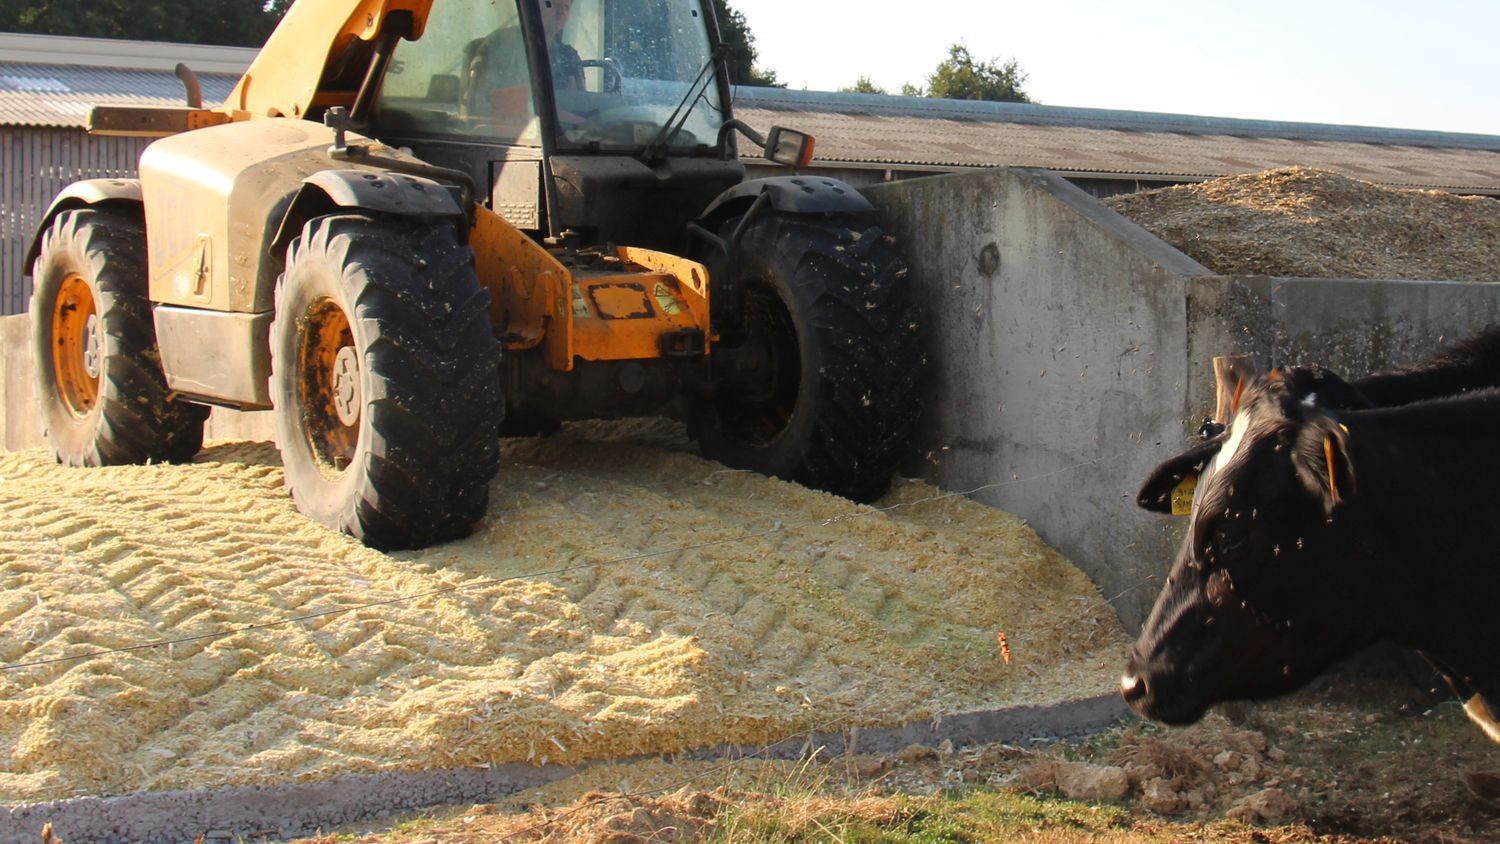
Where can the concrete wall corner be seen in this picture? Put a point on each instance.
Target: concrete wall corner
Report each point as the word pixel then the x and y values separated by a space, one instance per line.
pixel 1072 351
pixel 1059 361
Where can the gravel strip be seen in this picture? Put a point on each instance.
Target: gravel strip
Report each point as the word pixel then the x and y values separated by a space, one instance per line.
pixel 286 811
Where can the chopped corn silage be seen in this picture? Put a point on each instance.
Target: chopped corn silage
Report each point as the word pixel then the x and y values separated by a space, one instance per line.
pixel 1297 221
pixel 623 596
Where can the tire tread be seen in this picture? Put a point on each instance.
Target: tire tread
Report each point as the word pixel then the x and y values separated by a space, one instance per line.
pixel 137 418
pixel 433 361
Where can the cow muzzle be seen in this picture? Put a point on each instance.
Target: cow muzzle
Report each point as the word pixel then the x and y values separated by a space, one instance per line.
pixel 1161 696
pixel 1132 688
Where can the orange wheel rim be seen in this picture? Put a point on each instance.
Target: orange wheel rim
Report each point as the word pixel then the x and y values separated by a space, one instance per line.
pixel 332 396
pixel 77 345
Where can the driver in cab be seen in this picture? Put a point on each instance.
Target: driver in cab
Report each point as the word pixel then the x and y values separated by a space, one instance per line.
pixel 499 78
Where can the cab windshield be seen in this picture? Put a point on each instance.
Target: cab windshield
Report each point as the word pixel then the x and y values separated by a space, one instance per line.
pixel 619 69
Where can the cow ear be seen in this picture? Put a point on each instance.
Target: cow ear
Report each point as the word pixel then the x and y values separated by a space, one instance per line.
pixel 1156 493
pixel 1323 460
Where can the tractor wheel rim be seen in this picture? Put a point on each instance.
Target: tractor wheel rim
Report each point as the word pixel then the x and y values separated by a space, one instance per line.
pixel 346 392
pixel 332 398
pixel 93 354
pixel 77 346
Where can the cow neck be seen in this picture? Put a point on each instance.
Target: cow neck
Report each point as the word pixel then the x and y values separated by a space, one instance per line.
pixel 1424 508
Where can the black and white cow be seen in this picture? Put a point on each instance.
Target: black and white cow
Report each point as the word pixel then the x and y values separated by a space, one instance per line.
pixel 1323 523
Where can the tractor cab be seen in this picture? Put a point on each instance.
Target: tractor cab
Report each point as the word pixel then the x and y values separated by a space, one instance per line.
pixel 592 116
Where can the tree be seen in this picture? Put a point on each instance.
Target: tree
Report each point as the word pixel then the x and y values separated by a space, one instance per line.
pixel 741 55
pixel 243 23
pixel 959 77
pixel 863 85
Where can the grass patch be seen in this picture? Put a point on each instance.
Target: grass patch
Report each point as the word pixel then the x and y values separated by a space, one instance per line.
pixel 953 817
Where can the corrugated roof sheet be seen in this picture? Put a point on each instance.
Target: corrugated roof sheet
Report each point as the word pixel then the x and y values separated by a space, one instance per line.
pixel 61 95
pixel 864 130
pixel 121 53
pixel 877 106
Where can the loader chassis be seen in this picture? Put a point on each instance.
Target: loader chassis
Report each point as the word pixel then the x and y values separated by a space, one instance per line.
pixel 460 222
pixel 214 200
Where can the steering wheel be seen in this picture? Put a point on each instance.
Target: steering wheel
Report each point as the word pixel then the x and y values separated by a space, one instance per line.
pixel 613 78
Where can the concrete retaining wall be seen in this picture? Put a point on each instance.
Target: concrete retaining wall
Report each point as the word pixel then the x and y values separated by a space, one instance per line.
pixel 1071 353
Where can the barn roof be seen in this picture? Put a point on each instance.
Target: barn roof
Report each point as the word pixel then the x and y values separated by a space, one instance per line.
pixel 48 80
pixel 52 81
pixel 871 130
pixel 60 95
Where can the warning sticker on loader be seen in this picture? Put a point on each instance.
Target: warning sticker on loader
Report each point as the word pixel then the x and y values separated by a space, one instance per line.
pixel 665 301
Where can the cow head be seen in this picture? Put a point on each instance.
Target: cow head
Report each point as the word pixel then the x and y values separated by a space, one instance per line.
pixel 1260 595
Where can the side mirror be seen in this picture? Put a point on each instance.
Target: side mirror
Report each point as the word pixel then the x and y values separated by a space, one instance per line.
pixel 790 147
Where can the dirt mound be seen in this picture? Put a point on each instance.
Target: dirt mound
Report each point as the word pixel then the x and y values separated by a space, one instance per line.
pixel 1297 222
pixel 1190 770
pixel 623 596
pixel 614 818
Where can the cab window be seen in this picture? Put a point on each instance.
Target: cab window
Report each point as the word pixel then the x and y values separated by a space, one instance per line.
pixel 467 75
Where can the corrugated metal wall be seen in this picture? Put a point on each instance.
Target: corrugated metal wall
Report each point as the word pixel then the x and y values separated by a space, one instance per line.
pixel 37 163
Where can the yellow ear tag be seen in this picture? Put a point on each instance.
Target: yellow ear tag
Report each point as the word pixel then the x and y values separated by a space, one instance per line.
pixel 1182 496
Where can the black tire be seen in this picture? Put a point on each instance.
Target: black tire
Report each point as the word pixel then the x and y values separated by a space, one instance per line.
pixel 104 399
pixel 385 380
pixel 834 340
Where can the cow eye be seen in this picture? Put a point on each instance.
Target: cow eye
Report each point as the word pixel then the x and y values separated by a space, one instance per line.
pixel 1229 536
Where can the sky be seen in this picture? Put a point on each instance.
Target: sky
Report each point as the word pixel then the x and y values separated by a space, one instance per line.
pixel 1406 64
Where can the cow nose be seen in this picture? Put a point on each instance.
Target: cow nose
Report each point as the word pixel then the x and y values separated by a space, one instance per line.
pixel 1132 687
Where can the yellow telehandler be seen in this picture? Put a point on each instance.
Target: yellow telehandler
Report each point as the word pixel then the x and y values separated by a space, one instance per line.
pixel 419 225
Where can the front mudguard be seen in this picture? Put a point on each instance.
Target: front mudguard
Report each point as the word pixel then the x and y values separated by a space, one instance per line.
pixel 788 194
pixel 729 216
pixel 83 194
pixel 387 193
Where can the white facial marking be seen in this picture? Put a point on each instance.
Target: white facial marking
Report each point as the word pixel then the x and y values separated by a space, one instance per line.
pixel 1311 400
pixel 1226 453
pixel 1127 682
pixel 1231 447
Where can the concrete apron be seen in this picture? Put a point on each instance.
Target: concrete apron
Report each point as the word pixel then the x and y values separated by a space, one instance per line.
pixel 301 809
